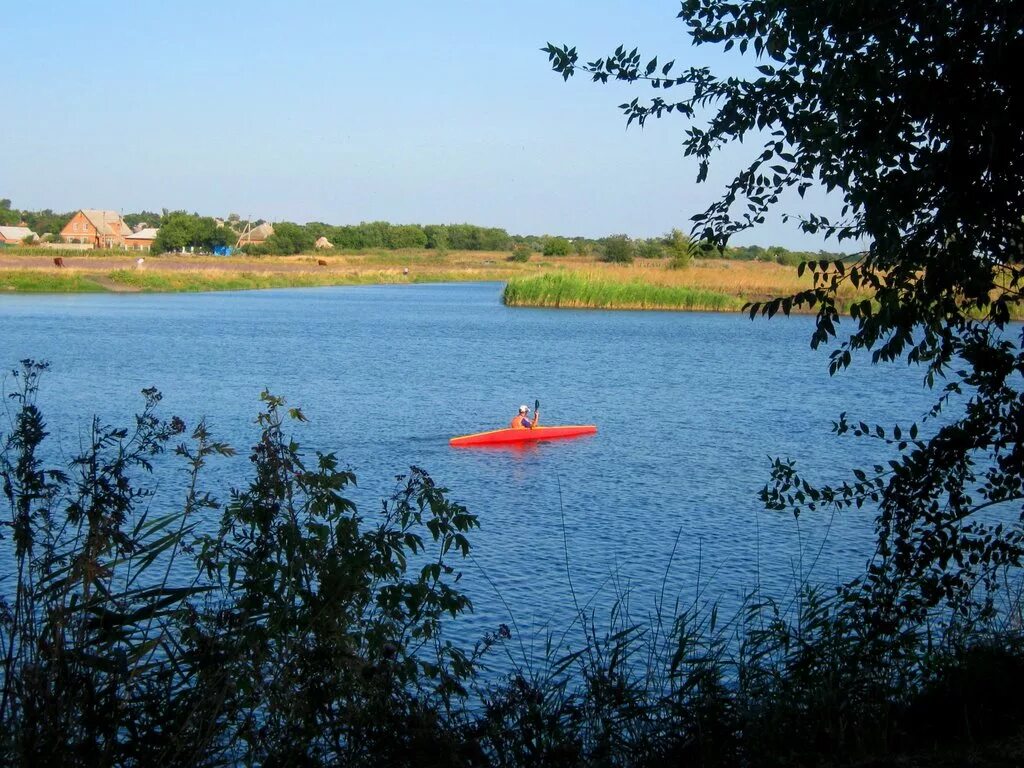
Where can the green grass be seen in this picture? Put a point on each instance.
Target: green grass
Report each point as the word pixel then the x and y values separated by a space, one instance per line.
pixel 576 290
pixel 34 281
pixel 191 282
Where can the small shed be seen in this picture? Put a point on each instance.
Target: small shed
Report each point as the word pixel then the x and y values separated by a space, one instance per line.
pixel 17 235
pixel 141 240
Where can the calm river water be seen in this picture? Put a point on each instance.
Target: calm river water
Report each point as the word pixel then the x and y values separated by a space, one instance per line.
pixel 689 408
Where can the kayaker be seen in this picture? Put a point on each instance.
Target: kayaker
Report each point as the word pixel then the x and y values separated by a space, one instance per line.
pixel 522 419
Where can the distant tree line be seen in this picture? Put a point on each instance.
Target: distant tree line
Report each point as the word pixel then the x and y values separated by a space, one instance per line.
pixel 381 234
pixel 40 222
pixel 180 230
pixel 675 245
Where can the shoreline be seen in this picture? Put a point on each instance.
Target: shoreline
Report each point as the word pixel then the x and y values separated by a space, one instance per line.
pixel 576 282
pixel 729 283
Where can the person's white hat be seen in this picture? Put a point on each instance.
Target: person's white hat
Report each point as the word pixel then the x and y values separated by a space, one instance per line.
pixel 523 408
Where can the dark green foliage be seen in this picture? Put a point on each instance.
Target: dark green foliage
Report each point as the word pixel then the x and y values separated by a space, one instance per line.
pixel 680 249
pixel 534 243
pixel 468 237
pixel 302 632
pixel 326 613
pixel 149 218
pixel 520 253
pixel 973 695
pixel 180 230
pixel 650 249
pixel 914 116
pixel 437 237
pixel 556 246
pixel 40 222
pixel 749 253
pixel 382 235
pixel 203 233
pixel 406 236
pixel 617 249
pixel 8 217
pixel 288 239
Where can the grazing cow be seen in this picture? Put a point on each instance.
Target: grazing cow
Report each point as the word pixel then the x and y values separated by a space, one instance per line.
pixel 58 262
pixel 321 262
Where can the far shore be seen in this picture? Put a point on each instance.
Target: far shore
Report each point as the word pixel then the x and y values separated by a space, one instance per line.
pixel 706 284
pixel 34 271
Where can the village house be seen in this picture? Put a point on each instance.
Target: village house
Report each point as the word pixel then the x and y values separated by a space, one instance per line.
pixel 100 229
pixel 256 235
pixel 141 240
pixel 16 235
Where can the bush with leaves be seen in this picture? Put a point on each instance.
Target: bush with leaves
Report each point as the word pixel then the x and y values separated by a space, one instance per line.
pixel 306 633
pixel 650 248
pixel 680 249
pixel 299 632
pixel 915 119
pixel 617 249
pixel 556 246
pixel 520 253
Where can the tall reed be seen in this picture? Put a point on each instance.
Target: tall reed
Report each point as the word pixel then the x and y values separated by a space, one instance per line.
pixel 577 290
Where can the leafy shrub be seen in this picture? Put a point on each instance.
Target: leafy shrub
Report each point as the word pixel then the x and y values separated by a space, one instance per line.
pixel 649 249
pixel 308 633
pixel 617 248
pixel 556 246
pixel 301 632
pixel 520 253
pixel 680 249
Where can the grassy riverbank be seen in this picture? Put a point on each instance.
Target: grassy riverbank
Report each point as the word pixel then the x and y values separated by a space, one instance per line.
pixel 564 281
pixel 720 285
pixel 34 271
pixel 47 281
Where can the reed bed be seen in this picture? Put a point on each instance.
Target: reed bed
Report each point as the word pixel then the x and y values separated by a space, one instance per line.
pixel 751 280
pixel 597 291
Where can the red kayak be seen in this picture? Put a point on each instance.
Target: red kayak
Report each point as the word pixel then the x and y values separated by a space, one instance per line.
pixel 498 436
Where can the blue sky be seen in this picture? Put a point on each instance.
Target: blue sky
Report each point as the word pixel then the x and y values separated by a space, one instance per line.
pixel 345 112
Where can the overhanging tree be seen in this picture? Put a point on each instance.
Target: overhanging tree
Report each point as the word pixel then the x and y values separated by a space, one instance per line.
pixel 912 113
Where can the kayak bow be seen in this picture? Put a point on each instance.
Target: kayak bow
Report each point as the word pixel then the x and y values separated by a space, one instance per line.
pixel 498 436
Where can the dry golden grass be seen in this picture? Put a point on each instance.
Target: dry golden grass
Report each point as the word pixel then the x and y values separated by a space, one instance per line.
pixel 748 281
pixel 751 280
pixel 32 270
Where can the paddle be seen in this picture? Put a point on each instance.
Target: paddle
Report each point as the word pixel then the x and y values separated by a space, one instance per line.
pixel 536 412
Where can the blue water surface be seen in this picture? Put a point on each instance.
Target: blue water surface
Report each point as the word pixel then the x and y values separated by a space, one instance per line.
pixel 662 501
